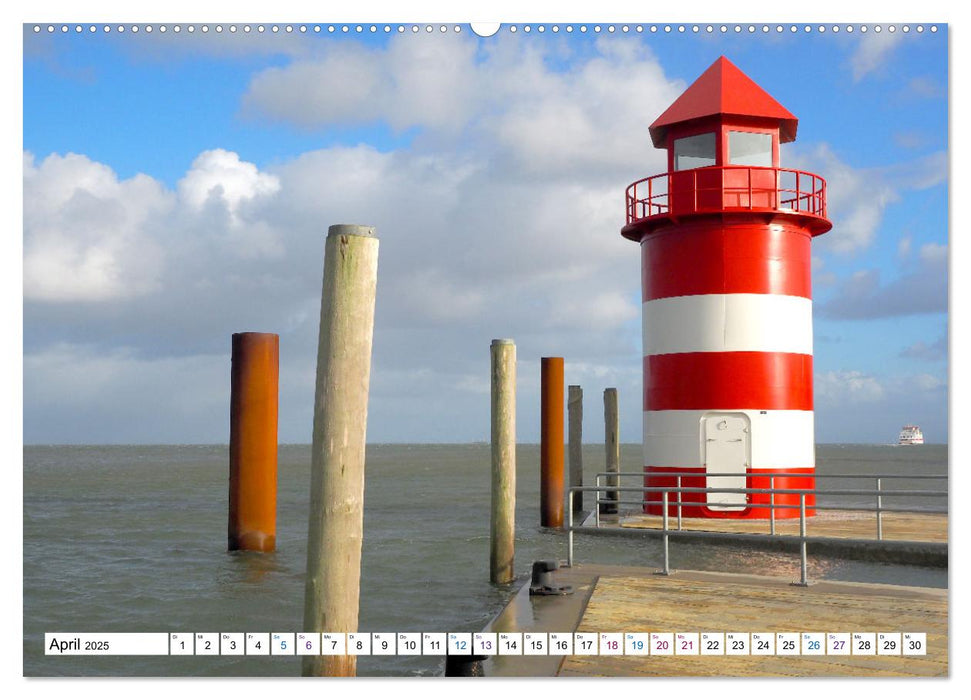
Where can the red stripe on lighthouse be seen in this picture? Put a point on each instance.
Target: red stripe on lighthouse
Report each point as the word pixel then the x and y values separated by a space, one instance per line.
pixel 711 380
pixel 706 257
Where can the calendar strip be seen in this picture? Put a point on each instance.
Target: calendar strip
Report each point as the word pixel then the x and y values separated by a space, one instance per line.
pixel 290 644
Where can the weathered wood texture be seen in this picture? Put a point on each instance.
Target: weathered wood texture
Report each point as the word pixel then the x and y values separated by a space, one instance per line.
pixel 503 513
pixel 339 434
pixel 612 447
pixel 698 602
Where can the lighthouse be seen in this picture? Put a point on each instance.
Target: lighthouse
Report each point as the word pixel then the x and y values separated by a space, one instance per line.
pixel 725 240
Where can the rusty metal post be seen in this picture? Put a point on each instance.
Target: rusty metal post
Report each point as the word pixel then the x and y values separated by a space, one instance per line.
pixel 502 547
pixel 336 527
pixel 551 442
pixel 253 414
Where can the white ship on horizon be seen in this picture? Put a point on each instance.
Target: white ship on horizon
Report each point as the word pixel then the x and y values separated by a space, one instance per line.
pixel 910 435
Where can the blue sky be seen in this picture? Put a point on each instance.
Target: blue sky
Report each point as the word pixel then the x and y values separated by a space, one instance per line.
pixel 178 188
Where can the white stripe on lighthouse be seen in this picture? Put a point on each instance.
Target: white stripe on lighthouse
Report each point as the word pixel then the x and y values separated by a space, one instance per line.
pixel 728 323
pixel 779 440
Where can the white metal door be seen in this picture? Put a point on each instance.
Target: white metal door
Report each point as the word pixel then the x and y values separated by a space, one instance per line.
pixel 727 440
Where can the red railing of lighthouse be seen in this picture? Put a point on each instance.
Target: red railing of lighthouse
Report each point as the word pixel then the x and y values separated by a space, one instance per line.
pixel 726 188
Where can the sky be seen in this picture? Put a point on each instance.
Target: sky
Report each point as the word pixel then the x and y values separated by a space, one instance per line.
pixel 178 187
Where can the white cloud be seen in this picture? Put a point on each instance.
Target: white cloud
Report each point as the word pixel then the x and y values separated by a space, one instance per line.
pixel 89 236
pixel 858 197
pixel 925 88
pixel 847 386
pixel 507 100
pixel 855 200
pixel 427 81
pixel 856 387
pixel 873 50
pixel 221 175
pixel 933 254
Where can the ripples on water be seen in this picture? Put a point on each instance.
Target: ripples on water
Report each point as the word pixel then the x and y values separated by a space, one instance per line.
pixel 133 539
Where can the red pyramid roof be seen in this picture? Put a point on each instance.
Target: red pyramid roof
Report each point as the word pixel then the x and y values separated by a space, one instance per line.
pixel 724 89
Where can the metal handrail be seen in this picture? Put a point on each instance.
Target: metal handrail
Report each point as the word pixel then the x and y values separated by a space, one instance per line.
pixel 879 493
pixel 666 504
pixel 739 489
pixel 806 196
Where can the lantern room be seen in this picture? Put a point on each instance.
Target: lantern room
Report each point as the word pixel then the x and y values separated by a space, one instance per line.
pixel 724 118
pixel 722 137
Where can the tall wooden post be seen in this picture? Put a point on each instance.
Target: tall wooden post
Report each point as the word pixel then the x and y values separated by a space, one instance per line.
pixel 503 523
pixel 612 445
pixel 574 409
pixel 551 442
pixel 253 414
pixel 340 422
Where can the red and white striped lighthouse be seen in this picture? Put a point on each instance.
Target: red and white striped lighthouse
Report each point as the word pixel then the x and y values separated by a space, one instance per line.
pixel 727 301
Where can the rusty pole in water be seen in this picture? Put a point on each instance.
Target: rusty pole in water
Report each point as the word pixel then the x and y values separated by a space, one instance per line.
pixel 551 442
pixel 253 414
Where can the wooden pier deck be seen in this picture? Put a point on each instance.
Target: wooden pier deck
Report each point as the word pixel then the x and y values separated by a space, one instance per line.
pixel 635 599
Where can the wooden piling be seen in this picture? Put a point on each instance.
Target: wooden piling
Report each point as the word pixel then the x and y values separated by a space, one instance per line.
pixel 551 442
pixel 253 414
pixel 574 408
pixel 339 435
pixel 503 522
pixel 612 446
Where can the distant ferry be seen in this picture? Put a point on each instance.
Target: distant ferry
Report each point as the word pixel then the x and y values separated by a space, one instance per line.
pixel 910 435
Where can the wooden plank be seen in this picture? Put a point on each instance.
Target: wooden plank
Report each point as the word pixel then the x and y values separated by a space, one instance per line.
pixel 703 602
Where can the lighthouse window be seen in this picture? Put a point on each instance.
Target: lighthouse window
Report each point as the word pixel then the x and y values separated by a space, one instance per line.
pixel 749 148
pixel 694 151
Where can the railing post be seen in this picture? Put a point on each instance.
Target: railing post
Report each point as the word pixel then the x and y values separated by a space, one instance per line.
pixel 772 505
pixel 680 499
pixel 804 580
pixel 664 527
pixel 596 508
pixel 879 512
pixel 569 529
pixel 751 205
